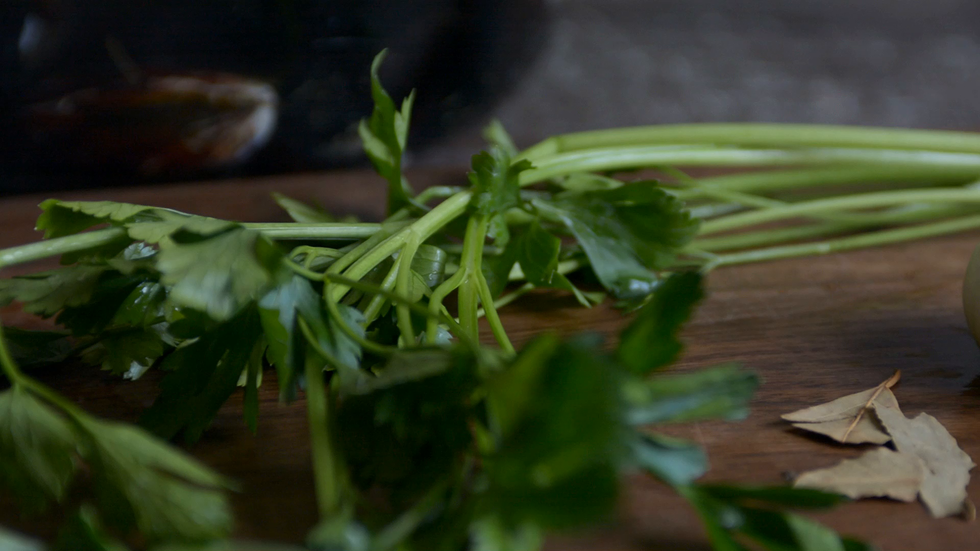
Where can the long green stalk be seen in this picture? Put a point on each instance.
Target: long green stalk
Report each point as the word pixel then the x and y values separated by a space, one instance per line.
pixel 782 180
pixel 335 231
pixel 58 246
pixel 326 469
pixel 761 135
pixel 627 158
pixel 847 202
pixel 872 239
pixel 851 223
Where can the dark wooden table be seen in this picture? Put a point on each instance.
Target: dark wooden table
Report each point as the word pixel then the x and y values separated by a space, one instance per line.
pixel 815 329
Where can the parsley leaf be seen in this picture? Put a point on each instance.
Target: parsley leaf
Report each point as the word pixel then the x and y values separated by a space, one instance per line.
pixel 143 223
pixel 728 510
pixel 47 293
pixel 719 392
pixel 673 461
pixel 405 428
pixel 220 273
pixel 99 310
pixel 650 341
pixel 138 480
pixel 556 415
pixel 37 448
pixel 302 212
pixel 627 233
pixel 204 373
pixel 538 258
pixel 495 181
pixel 496 268
pixel 384 137
pixel 283 309
pixel 496 135
pixel 130 353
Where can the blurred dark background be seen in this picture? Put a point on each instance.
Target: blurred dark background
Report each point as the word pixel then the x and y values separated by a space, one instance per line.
pixel 541 66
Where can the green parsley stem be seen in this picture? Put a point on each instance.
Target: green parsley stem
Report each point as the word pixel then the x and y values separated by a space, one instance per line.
pixel 415 307
pixel 471 265
pixel 781 180
pixel 872 239
pixel 425 227
pixel 771 236
pixel 328 473
pixel 439 294
pixel 373 309
pixel 335 312
pixel 403 285
pixel 760 135
pixel 324 231
pixel 58 246
pixel 857 201
pixel 627 158
pixel 490 310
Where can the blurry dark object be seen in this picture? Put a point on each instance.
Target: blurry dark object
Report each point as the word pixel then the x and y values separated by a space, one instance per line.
pixel 66 107
pixel 162 125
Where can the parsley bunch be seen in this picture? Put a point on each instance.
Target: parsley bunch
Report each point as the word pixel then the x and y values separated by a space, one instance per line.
pixel 377 324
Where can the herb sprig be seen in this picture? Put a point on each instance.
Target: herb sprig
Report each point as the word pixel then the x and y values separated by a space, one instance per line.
pixel 474 447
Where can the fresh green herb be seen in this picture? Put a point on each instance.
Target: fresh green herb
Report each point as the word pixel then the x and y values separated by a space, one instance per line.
pixel 476 447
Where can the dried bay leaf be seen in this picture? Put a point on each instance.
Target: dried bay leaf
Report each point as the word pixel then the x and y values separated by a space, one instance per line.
pixel 845 419
pixel 866 431
pixel 947 467
pixel 879 473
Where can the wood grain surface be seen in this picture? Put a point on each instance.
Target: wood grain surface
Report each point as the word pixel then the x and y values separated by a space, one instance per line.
pixel 813 328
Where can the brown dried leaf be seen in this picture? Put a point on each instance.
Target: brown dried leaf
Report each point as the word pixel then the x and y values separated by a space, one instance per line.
pixel 879 473
pixel 947 467
pixel 845 419
pixel 866 431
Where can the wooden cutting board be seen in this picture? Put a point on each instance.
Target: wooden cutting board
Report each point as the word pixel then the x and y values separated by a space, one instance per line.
pixel 814 328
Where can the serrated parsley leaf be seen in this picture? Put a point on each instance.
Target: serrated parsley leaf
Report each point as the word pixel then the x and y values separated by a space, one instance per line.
pixel 218 274
pixel 307 214
pixel 495 181
pixel 129 353
pixel 650 341
pixel 37 449
pixel 730 510
pixel 143 482
pixel 384 137
pixel 406 428
pixel 495 134
pixel 143 306
pixel 281 312
pixel 47 293
pixel 719 392
pixel 673 461
pixel 204 374
pixel 628 233
pixel 538 258
pixel 429 263
pixel 143 223
pixel 100 308
pixel 557 416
